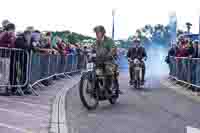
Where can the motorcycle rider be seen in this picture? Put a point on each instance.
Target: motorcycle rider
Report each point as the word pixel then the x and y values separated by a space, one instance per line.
pixel 136 52
pixel 105 49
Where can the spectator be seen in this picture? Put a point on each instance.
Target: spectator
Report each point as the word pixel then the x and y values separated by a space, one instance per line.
pixel 38 44
pixel 35 38
pixel 64 46
pixel 85 51
pixel 61 46
pixel 23 41
pixel 4 24
pixel 80 56
pixel 48 39
pixel 44 42
pixel 47 44
pixel 56 43
pixel 172 52
pixel 189 48
pixel 68 49
pixel 194 49
pixel 73 49
pixel 182 50
pixel 30 28
pixel 7 38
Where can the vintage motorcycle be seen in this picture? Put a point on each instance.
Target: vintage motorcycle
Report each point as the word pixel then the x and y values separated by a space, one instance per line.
pixel 137 72
pixel 93 82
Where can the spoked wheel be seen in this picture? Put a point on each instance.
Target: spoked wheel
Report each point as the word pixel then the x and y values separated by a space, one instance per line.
pixel 137 81
pixel 88 95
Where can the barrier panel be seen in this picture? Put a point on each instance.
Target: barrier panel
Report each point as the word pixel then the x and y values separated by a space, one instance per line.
pixel 21 69
pixel 13 67
pixel 185 70
pixel 44 66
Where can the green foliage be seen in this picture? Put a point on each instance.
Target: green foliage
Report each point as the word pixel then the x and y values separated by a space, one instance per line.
pixel 71 37
pixel 158 34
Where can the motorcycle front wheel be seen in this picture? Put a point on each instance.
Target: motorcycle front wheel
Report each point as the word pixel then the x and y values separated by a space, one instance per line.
pixel 137 79
pixel 114 98
pixel 88 95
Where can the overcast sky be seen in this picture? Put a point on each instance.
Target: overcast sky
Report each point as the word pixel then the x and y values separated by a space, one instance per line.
pixel 82 15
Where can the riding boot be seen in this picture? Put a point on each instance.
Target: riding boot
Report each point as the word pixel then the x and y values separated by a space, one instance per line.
pixel 116 86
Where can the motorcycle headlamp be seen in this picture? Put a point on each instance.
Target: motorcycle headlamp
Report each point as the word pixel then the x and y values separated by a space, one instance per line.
pixel 136 61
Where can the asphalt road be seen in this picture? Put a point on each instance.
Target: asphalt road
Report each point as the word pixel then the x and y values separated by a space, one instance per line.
pixel 155 109
pixel 30 114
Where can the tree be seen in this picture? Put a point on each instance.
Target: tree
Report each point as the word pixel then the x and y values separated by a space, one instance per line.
pixel 72 39
pixel 188 25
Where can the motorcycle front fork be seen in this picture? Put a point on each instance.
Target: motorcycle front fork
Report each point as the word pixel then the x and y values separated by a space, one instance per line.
pixel 107 82
pixel 137 75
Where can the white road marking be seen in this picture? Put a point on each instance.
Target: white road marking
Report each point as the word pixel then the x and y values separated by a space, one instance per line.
pixel 13 127
pixel 192 130
pixel 24 114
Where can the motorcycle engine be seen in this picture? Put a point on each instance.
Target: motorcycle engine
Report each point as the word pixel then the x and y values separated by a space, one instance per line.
pixel 99 72
pixel 137 63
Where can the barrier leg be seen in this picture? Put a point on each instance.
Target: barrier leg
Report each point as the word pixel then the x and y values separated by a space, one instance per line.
pixel 32 90
pixel 174 82
pixel 41 85
pixel 70 77
pixel 19 91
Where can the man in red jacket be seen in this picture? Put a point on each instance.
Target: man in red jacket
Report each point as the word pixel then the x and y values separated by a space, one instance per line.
pixel 7 38
pixel 182 50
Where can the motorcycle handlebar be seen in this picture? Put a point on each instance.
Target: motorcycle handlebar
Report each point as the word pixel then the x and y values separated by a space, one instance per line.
pixel 99 60
pixel 131 60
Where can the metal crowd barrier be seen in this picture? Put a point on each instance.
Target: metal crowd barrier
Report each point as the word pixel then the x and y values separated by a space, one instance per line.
pixel 14 68
pixel 46 66
pixel 22 70
pixel 185 70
